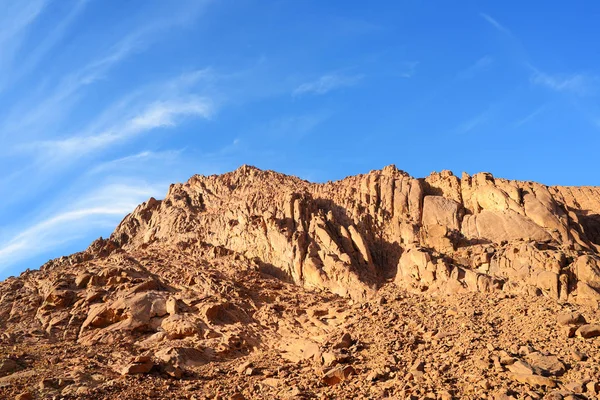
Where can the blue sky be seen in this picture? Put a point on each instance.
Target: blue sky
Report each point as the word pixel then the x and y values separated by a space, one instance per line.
pixel 103 103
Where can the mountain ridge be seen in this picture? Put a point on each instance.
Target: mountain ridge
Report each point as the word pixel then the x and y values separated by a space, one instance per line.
pixel 258 265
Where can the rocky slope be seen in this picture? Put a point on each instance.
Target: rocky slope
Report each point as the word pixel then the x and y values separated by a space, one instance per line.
pixel 255 284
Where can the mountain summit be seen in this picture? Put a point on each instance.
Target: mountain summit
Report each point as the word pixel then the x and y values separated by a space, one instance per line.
pixel 255 284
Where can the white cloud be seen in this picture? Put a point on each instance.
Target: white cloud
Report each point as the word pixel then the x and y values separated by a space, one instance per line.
pixel 164 113
pixel 50 39
pixel 16 16
pixel 481 64
pixel 496 24
pixel 327 83
pixel 15 19
pixel 134 160
pixel 34 123
pixel 530 116
pixel 580 83
pixel 474 122
pixel 295 126
pixel 39 111
pixel 100 208
pixel 159 114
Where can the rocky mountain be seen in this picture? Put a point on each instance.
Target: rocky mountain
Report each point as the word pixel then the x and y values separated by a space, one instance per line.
pixel 254 284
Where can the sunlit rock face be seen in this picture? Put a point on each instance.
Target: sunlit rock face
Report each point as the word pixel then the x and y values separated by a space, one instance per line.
pixel 348 236
pixel 225 265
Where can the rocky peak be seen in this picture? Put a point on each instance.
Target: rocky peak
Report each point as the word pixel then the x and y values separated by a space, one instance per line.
pixel 228 264
pixel 348 236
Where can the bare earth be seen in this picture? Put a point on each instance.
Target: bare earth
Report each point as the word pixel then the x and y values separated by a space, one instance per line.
pixel 258 285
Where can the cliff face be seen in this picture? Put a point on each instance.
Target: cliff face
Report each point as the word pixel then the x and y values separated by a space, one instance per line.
pixel 257 262
pixel 350 236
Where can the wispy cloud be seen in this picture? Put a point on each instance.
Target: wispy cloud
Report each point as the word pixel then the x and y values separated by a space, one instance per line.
pixel 51 39
pixel 578 83
pixel 41 110
pixel 161 114
pixel 496 24
pixel 327 83
pixel 296 126
pixel 479 65
pixel 474 122
pixel 100 208
pixel 134 160
pixel 15 19
pixel 531 116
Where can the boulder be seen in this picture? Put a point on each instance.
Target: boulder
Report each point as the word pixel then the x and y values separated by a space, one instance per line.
pixel 588 331
pixel 338 374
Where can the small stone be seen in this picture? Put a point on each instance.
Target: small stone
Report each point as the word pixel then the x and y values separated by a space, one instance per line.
pixel 272 382
pixel 142 359
pixel 520 368
pixel 546 364
pixel 418 365
pixel 524 350
pixel 483 364
pixel 568 330
pixel 575 387
pixel 484 384
pixel 577 355
pixel 553 396
pixel 344 342
pixel 593 387
pixel 505 358
pixel 338 375
pixel 48 383
pixel 442 335
pixel 570 318
pixel 24 396
pixel 81 281
pixel 588 331
pixel 244 367
pixel 135 368
pixel 330 359
pixel 8 366
pixel 533 395
pixel 533 380
pixel 172 306
pixel 373 375
pixel 173 371
pixel 377 375
pixel 502 395
pixel 452 312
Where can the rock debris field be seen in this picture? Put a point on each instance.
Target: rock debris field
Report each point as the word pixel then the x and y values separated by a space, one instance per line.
pixel 259 285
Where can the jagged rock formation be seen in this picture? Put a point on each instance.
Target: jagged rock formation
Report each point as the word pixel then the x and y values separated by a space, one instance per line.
pixel 225 266
pixel 475 233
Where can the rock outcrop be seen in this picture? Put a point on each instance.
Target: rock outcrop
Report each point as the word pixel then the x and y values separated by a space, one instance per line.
pixel 349 236
pixel 226 265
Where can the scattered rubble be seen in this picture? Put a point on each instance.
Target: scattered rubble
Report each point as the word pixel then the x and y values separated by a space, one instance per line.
pixel 253 285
